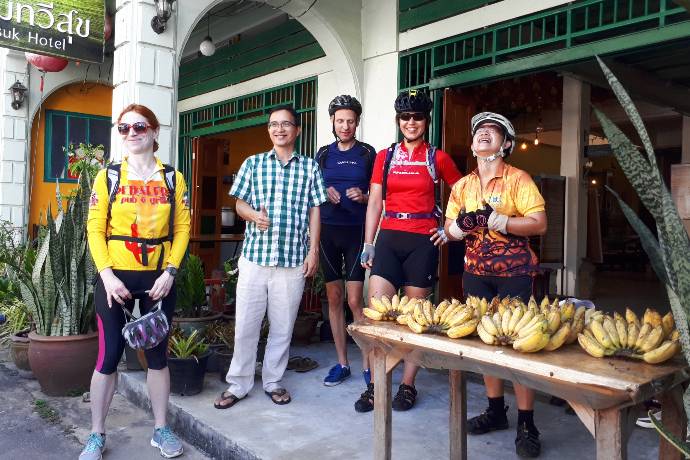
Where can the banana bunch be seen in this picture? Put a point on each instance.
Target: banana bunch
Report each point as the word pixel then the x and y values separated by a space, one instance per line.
pixel 480 305
pixel 652 338
pixel 450 317
pixel 526 329
pixel 385 309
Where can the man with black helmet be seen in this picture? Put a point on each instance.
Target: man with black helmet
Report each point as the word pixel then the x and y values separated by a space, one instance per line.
pixel 495 209
pixel 405 188
pixel 346 168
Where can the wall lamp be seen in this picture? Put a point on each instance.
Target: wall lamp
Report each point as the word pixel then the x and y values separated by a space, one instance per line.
pixel 17 90
pixel 163 13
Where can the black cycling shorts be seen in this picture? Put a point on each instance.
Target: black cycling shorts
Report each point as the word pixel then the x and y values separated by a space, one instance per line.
pixel 341 244
pixel 405 259
pixel 489 287
pixel 110 321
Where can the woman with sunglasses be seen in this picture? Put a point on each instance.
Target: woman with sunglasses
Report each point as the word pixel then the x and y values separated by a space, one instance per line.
pixel 138 231
pixel 405 177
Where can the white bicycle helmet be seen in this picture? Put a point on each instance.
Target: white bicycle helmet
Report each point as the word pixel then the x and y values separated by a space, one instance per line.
pixel 491 117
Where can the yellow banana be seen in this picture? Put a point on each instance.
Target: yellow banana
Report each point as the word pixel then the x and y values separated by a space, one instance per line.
pixel 395 301
pixel 462 316
pixel 483 306
pixel 554 319
pixel 386 302
pixel 488 326
pixel 440 308
pixel 505 320
pixel 497 322
pixel 675 335
pixel 410 306
pixel 532 343
pixel 545 303
pixel 428 310
pixel 493 305
pixel 662 353
pixel 372 314
pixel 601 335
pixel 464 329
pixel 403 303
pixel 622 329
pixel 558 339
pixel 575 329
pixel 631 317
pixel 527 316
pixel 633 333
pixel 402 319
pixel 450 312
pixel 418 315
pixel 652 317
pixel 416 327
pixel 668 323
pixel 653 340
pixel 591 346
pixel 501 309
pixel 567 312
pixel 486 337
pixel 610 328
pixel 517 315
pixel 580 313
pixel 537 318
pixel 542 326
pixel 642 336
pixel 376 304
pixel 533 304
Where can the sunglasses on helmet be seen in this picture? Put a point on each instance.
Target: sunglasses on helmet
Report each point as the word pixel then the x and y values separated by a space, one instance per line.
pixel 416 116
pixel 139 127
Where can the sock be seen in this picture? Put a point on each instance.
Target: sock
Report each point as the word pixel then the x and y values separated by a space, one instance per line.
pixel 366 373
pixel 497 406
pixel 526 416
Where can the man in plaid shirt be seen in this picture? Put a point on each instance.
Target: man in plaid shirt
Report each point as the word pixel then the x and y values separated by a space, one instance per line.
pixel 278 194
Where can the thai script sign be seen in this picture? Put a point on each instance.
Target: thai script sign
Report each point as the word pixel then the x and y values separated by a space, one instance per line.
pixel 67 28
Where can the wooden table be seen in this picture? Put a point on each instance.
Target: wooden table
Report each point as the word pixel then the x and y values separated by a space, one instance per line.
pixel 605 393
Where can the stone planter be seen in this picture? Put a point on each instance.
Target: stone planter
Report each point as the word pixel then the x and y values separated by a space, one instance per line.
pixel 63 365
pixel 19 350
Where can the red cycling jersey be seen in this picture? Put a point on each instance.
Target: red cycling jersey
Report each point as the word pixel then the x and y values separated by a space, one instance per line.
pixel 410 188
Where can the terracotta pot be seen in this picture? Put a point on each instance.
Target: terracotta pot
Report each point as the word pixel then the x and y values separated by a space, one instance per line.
pixel 63 365
pixel 305 326
pixel 188 325
pixel 19 350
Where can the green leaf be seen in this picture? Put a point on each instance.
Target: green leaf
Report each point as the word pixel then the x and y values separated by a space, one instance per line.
pixel 679 444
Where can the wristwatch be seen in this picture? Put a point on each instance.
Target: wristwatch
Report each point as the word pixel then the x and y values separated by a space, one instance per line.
pixel 172 271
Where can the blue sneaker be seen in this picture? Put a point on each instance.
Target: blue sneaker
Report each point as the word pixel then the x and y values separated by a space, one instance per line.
pixel 166 442
pixel 366 374
pixel 337 375
pixel 95 446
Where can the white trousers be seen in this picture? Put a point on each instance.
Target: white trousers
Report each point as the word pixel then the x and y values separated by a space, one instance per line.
pixel 278 290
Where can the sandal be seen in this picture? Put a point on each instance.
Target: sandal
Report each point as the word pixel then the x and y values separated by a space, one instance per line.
pixel 226 396
pixel 306 365
pixel 279 396
pixel 405 398
pixel 294 363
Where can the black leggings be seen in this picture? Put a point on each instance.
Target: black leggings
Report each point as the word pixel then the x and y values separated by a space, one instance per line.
pixel 489 287
pixel 110 321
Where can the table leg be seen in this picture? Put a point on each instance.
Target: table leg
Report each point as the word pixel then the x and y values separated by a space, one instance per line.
pixel 382 407
pixel 674 420
pixel 609 436
pixel 458 415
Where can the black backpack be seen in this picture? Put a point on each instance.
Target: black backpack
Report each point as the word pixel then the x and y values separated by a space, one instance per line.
pixel 113 184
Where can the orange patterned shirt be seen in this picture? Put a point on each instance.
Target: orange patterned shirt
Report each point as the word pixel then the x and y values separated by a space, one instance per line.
pixel 513 193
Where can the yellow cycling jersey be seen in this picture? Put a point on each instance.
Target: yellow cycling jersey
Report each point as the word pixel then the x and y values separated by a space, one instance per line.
pixel 141 210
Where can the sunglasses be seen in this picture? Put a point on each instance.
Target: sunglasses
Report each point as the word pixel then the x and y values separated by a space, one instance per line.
pixel 139 128
pixel 415 116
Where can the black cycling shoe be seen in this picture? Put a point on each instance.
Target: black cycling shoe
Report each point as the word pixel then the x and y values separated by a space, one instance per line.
pixel 527 443
pixel 365 403
pixel 405 398
pixel 488 421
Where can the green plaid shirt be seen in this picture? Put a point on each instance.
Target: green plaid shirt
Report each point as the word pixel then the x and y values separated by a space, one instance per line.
pixel 287 192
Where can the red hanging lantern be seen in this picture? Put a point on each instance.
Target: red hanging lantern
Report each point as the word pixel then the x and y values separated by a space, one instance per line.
pixel 108 27
pixel 46 63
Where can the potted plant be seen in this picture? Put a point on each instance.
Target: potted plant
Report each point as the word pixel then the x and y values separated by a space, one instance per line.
pixel 309 312
pixel 187 362
pixel 192 308
pixel 232 273
pixel 59 296
pixel 15 332
pixel 221 337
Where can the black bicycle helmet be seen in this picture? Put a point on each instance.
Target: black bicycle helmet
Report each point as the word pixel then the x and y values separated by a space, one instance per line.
pixel 344 102
pixel 413 101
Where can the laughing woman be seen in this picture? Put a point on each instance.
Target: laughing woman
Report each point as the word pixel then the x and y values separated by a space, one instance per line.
pixel 137 240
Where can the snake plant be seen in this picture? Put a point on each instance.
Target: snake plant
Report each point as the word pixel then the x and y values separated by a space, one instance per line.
pixel 669 253
pixel 59 294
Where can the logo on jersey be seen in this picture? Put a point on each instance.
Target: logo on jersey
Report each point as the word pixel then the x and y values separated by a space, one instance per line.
pixel 185 200
pixel 493 200
pixel 93 199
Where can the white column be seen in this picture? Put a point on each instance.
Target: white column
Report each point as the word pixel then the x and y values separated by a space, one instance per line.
pixel 685 142
pixel 575 129
pixel 144 71
pixel 380 54
pixel 13 141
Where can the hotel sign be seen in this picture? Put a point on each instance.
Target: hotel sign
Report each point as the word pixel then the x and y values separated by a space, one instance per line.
pixel 71 29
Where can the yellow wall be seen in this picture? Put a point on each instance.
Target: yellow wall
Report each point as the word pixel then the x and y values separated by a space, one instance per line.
pixel 96 100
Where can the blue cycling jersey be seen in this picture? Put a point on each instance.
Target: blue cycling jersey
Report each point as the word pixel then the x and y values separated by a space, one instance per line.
pixel 343 170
